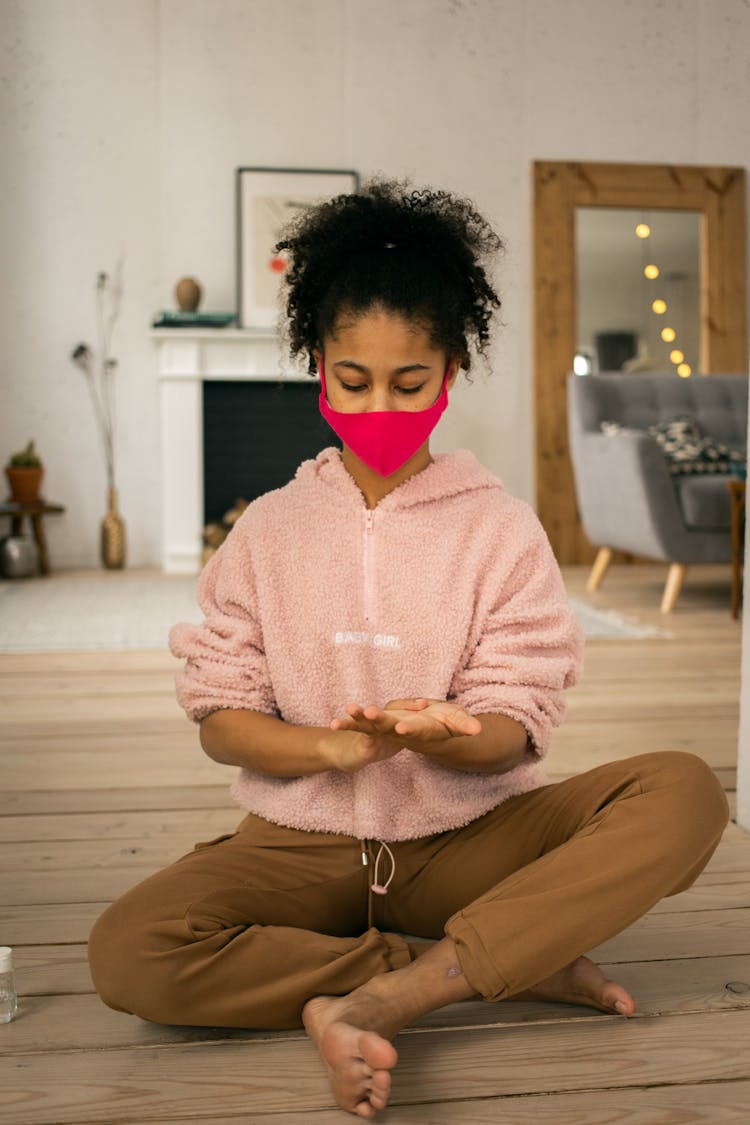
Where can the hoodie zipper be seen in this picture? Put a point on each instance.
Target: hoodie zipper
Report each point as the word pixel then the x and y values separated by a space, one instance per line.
pixel 369 553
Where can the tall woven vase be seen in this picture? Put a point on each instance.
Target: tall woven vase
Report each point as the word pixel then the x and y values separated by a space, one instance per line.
pixel 113 535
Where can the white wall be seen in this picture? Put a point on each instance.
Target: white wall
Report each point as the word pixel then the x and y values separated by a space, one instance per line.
pixel 122 125
pixel 79 188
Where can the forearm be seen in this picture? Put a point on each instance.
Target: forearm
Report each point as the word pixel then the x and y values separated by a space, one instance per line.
pixel 266 744
pixel 498 747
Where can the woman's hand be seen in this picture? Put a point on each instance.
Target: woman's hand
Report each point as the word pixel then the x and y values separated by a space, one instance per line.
pixel 350 749
pixel 441 731
pixel 414 724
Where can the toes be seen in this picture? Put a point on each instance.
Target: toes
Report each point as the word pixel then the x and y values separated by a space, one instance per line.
pixel 616 999
pixel 380 1088
pixel 371 1101
pixel 381 1081
pixel 358 1064
pixel 377 1052
pixel 623 1007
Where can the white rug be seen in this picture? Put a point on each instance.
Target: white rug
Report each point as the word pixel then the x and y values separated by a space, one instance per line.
pixel 89 611
pixel 607 623
pixel 106 611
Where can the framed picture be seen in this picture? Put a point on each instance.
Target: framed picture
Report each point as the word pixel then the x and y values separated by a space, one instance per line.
pixel 267 198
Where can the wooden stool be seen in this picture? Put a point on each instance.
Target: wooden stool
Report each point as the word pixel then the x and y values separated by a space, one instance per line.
pixel 35 510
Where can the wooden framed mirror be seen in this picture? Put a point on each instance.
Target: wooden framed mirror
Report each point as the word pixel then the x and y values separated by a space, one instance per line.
pixel 718 194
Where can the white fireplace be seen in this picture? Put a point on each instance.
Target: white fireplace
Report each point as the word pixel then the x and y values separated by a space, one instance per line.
pixel 186 358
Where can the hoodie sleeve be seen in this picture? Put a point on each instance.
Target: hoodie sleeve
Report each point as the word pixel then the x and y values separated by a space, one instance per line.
pixel 225 662
pixel 530 643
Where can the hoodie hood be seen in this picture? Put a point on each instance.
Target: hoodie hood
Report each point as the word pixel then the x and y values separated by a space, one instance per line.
pixel 448 474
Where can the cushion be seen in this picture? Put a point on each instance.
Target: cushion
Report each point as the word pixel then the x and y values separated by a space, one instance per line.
pixel 688 451
pixel 704 501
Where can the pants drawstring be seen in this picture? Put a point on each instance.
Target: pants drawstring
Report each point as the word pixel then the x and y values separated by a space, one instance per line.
pixel 376 887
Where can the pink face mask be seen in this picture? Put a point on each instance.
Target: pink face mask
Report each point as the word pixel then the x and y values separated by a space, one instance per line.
pixel 383 439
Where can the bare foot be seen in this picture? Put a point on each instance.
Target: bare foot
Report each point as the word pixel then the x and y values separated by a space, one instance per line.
pixel 356 1055
pixel 582 982
pixel 353 1033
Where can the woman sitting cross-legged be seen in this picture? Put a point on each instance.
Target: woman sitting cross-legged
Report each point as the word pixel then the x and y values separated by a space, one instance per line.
pixel 385 648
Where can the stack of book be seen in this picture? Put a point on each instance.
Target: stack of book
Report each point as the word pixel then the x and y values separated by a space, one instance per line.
pixel 193 320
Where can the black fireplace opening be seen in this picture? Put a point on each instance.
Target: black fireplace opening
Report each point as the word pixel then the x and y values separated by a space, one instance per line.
pixel 255 436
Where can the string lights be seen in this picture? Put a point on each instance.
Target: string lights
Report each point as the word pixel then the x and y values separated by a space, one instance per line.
pixel 659 306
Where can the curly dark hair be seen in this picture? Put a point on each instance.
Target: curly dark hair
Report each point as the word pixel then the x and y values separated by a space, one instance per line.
pixel 416 253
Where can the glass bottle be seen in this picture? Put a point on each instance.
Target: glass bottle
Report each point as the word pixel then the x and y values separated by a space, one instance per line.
pixel 8 999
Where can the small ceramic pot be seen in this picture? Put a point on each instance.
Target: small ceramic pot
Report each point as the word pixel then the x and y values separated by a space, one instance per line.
pixel 24 483
pixel 19 557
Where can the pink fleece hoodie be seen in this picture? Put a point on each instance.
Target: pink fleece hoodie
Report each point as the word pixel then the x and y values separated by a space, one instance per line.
pixel 447 589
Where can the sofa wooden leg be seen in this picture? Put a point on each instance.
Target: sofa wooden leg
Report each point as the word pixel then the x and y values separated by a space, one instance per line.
pixel 599 569
pixel 677 572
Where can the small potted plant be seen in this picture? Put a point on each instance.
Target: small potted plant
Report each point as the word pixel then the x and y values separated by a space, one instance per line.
pixel 24 472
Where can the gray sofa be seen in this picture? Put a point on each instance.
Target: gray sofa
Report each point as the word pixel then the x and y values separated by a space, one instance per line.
pixel 627 497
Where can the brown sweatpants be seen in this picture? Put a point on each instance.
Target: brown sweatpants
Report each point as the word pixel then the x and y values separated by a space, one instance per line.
pixel 243 931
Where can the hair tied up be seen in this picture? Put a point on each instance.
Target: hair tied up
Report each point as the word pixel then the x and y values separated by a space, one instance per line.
pixel 419 254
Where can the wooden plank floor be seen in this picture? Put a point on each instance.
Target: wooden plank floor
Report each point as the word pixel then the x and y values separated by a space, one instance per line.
pixel 102 782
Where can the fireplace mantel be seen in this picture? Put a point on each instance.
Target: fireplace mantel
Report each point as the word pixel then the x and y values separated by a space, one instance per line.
pixel 185 359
